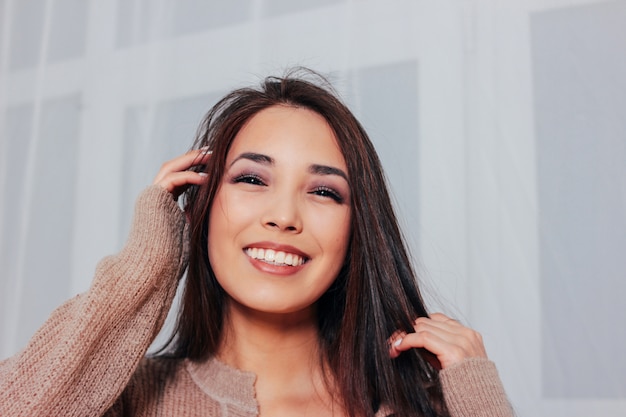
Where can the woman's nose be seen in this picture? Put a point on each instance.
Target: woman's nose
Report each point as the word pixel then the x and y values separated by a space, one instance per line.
pixel 283 214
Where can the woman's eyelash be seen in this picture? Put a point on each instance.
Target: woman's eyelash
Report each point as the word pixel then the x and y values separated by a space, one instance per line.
pixel 328 192
pixel 253 179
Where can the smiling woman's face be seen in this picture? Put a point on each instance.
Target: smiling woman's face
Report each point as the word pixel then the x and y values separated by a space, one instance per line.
pixel 280 221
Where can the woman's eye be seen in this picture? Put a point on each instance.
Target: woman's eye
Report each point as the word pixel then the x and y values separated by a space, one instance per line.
pixel 329 193
pixel 249 179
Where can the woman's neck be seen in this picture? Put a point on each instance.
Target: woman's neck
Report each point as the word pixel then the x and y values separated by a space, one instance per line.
pixel 254 340
pixel 283 351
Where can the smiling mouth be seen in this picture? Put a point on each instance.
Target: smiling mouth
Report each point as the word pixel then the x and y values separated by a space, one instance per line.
pixel 272 257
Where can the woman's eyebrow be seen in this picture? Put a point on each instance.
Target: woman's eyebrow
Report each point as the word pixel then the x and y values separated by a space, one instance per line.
pixel 315 169
pixel 327 170
pixel 255 157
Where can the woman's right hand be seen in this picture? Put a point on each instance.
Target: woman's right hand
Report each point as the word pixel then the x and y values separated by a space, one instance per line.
pixel 175 176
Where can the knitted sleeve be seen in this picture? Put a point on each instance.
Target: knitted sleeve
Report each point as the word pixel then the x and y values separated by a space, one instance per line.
pixel 473 388
pixel 80 360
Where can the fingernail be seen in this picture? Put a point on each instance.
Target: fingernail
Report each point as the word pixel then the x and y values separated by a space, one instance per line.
pixel 205 150
pixel 203 174
pixel 397 342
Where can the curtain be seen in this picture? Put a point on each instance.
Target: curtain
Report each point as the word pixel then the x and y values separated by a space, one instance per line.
pixel 501 126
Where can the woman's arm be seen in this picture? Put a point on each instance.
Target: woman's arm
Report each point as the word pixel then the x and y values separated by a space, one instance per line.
pixel 473 388
pixel 81 359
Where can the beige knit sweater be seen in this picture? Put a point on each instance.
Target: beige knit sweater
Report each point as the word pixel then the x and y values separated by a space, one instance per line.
pixel 88 358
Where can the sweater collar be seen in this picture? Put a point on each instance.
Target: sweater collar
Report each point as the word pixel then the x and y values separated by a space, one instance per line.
pixel 224 383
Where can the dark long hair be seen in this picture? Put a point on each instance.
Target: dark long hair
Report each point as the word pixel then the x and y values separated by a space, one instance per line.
pixel 374 294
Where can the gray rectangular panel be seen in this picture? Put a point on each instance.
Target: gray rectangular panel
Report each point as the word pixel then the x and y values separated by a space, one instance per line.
pixel 579 71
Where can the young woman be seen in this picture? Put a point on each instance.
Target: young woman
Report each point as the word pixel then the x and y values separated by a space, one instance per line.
pixel 299 298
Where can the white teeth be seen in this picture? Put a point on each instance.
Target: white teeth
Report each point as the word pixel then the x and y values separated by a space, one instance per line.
pixel 273 257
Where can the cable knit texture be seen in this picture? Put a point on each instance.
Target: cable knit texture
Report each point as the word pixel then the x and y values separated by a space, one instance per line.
pixel 88 358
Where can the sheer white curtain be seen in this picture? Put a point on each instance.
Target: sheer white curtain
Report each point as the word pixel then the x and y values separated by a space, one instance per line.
pixel 502 126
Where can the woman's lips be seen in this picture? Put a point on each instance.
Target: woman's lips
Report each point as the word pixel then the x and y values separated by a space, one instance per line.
pixel 275 257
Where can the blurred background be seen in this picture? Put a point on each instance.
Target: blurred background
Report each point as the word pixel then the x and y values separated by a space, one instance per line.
pixel 501 125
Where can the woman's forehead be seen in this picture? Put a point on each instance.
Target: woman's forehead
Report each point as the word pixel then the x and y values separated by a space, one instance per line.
pixel 285 133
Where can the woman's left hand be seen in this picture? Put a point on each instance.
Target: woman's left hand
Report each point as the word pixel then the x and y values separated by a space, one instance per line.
pixel 445 338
